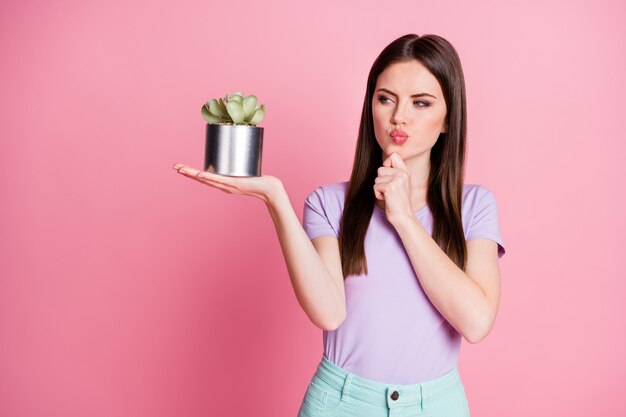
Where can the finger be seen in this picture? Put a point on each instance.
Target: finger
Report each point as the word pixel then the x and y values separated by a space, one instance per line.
pixel 379 192
pixel 178 166
pixel 222 179
pixel 382 171
pixel 397 162
pixel 232 185
pixel 211 178
pixel 201 178
pixel 188 171
pixel 193 173
pixel 202 175
pixel 387 162
pixel 383 180
pixel 219 186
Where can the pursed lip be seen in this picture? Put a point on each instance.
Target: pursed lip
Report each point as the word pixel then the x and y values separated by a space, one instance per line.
pixel 398 133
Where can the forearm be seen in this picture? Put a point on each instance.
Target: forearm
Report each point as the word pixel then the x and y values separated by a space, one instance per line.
pixel 459 299
pixel 313 285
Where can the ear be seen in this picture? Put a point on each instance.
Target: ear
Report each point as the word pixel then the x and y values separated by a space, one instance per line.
pixel 445 128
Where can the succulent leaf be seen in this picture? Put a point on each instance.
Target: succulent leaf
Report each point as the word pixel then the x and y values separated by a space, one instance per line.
pixel 249 106
pixel 258 115
pixel 235 110
pixel 210 118
pixel 215 108
pixel 237 93
pixel 238 99
pixel 222 105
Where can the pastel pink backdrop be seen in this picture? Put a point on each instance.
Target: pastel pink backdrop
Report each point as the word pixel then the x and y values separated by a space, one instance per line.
pixel 128 290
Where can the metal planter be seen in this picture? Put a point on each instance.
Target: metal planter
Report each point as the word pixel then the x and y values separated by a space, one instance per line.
pixel 233 150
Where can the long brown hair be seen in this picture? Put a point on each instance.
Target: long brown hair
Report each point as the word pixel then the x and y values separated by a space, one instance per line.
pixel 447 158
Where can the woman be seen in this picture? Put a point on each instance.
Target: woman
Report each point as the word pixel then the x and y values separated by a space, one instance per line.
pixel 399 263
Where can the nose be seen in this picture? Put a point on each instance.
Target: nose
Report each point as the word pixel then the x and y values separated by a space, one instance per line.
pixel 398 116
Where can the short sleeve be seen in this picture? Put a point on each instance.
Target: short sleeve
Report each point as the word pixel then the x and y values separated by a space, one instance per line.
pixel 484 222
pixel 316 219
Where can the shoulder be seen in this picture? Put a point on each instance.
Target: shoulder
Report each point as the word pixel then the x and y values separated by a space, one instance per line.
pixel 478 202
pixel 480 215
pixel 323 209
pixel 331 195
pixel 475 195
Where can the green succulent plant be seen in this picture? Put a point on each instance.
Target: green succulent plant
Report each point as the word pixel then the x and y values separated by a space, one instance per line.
pixel 236 109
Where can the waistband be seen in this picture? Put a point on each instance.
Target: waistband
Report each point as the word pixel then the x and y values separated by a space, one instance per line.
pixel 380 393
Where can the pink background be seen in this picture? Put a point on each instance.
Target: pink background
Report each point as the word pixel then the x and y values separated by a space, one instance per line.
pixel 128 290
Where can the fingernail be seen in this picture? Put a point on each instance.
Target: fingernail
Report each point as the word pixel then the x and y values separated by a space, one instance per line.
pixel 176 166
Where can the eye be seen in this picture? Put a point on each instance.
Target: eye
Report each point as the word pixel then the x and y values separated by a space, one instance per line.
pixel 383 99
pixel 421 103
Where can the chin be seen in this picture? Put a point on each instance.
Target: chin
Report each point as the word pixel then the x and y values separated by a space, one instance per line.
pixel 406 154
pixel 399 149
pixel 404 150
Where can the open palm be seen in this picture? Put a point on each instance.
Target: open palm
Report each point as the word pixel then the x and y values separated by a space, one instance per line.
pixel 261 187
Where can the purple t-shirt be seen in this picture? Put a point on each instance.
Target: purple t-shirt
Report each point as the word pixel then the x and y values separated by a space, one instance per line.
pixel 392 332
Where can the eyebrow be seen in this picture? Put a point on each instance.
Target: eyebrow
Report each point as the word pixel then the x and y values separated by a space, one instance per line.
pixel 414 95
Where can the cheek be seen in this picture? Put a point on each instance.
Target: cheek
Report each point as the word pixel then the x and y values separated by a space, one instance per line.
pixel 379 131
pixel 436 122
pixel 377 119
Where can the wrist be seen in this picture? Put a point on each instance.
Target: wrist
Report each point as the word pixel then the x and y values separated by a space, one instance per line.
pixel 403 221
pixel 275 194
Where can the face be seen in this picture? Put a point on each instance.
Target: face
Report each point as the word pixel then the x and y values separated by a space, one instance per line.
pixel 409 98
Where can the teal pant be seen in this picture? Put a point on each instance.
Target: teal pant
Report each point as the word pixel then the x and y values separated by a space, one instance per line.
pixel 335 392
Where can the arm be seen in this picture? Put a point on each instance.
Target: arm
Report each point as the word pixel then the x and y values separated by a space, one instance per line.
pixel 314 266
pixel 467 299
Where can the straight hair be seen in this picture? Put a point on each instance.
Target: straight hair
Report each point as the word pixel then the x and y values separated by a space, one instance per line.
pixel 447 157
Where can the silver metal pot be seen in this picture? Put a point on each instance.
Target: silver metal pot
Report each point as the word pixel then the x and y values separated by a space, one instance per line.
pixel 233 150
